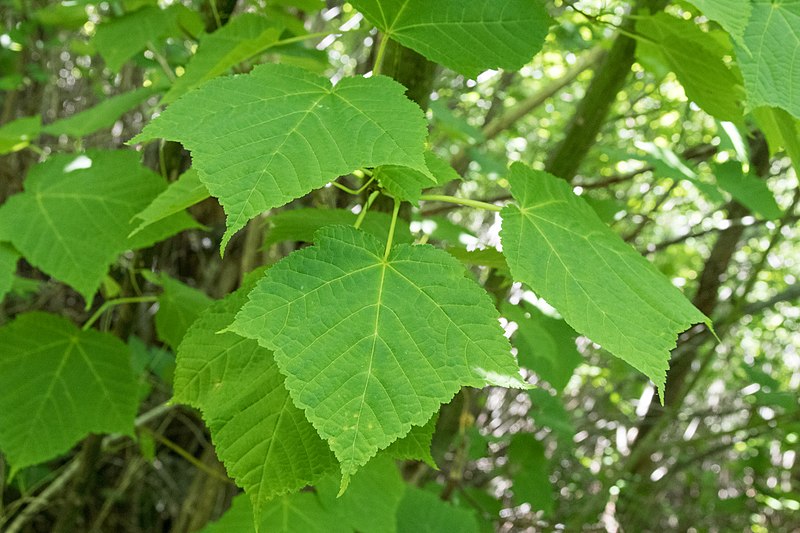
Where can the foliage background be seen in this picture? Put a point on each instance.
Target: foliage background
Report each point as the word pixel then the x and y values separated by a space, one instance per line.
pixel 599 454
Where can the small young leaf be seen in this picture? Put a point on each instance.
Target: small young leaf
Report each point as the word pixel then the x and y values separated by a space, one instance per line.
pixel 370 345
pixel 468 37
pixel 265 138
pixel 555 243
pixel 406 184
pixel 60 384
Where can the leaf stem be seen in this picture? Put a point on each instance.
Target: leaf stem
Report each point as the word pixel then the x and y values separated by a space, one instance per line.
pixel 376 67
pixel 300 38
pixel 390 238
pixel 111 303
pixel 348 190
pixel 366 207
pixel 461 201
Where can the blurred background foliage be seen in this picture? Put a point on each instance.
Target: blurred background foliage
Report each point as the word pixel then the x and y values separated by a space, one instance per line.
pixel 590 449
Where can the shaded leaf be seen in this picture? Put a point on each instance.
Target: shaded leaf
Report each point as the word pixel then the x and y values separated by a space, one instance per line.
pixel 423 512
pixel 60 384
pixel 265 138
pixel 102 115
pixel 370 345
pixel 72 221
pixel 265 442
pixel 179 305
pixel 545 345
pixel 747 189
pixel 406 184
pixel 530 469
pixel 8 266
pixel 242 37
pixel 556 244
pixel 732 15
pixel 696 59
pixel 371 501
pixel 18 134
pixel 301 224
pixel 185 192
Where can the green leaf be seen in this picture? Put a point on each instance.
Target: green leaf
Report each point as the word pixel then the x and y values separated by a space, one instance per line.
pixel 468 37
pixel 696 59
pixel 286 514
pixel 548 411
pixel 406 184
pixel 8 266
pixel 119 39
pixel 372 499
pixel 423 512
pixel 770 59
pixel 72 222
pixel 782 131
pixel 747 189
pixel 265 442
pixel 546 345
pixel 265 138
pixel 60 384
pixel 488 257
pixel 103 115
pixel 240 39
pixel 530 469
pixel 370 345
pixel 185 192
pixel 416 446
pixel 668 164
pixel 556 244
pixel 301 224
pixel 18 134
pixel 732 15
pixel 179 305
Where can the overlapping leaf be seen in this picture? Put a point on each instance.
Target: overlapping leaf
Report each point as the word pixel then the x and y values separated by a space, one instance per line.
pixel 555 243
pixel 546 345
pixel 424 512
pixel 747 189
pixel 17 134
pixel 696 59
pixel 263 139
pixel 465 36
pixel 60 384
pixel 241 38
pixel 265 442
pixel 186 191
pixel 301 225
pixel 770 58
pixel 72 221
pixel 179 305
pixel 406 184
pixel 371 345
pixel 732 15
